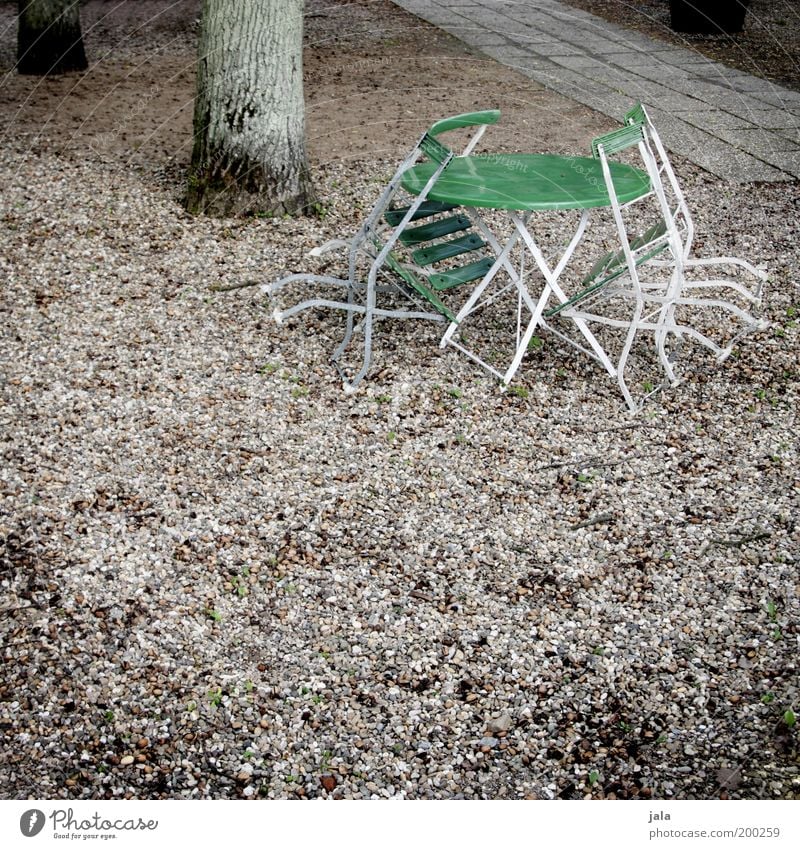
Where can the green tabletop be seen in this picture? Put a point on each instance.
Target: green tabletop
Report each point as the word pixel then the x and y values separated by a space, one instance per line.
pixel 527 181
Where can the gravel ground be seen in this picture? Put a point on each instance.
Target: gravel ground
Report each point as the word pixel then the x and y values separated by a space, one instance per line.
pixel 222 578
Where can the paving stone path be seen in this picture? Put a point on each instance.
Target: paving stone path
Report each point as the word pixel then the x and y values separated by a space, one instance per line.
pixel 738 127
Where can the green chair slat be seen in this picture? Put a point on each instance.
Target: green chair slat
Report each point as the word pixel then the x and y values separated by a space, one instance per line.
pixel 430 207
pixel 457 276
pixel 435 229
pixel 446 250
pixel 418 286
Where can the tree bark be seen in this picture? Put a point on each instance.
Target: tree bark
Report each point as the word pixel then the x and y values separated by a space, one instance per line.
pixel 49 38
pixel 249 151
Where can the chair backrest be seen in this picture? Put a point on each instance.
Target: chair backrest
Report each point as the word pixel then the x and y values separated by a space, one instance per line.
pixel 680 212
pixel 428 145
pixel 635 245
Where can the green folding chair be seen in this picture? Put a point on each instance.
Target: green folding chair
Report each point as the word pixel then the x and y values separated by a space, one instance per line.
pixel 394 251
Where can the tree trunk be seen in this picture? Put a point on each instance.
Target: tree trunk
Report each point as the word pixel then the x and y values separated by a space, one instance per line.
pixel 249 151
pixel 49 39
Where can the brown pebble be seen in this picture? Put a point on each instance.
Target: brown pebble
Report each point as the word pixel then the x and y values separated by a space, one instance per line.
pixel 328 782
pixel 143 743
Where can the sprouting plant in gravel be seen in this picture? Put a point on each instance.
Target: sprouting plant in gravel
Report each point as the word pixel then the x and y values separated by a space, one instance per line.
pixel 536 343
pixel 239 586
pixel 772 613
pixel 518 391
pixel 789 718
pixel 594 777
pixel 269 368
pixel 768 698
pixel 215 696
pixel 213 614
pixel 454 392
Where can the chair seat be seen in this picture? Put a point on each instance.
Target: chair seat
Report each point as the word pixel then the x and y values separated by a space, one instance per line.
pixel 612 265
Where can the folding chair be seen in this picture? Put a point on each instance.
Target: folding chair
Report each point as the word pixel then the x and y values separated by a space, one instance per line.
pixel 409 259
pixel 746 292
pixel 641 285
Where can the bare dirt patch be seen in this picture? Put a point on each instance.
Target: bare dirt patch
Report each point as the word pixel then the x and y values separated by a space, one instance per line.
pixel 375 76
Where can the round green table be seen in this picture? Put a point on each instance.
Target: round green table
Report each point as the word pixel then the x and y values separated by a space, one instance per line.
pixel 523 184
pixel 527 182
